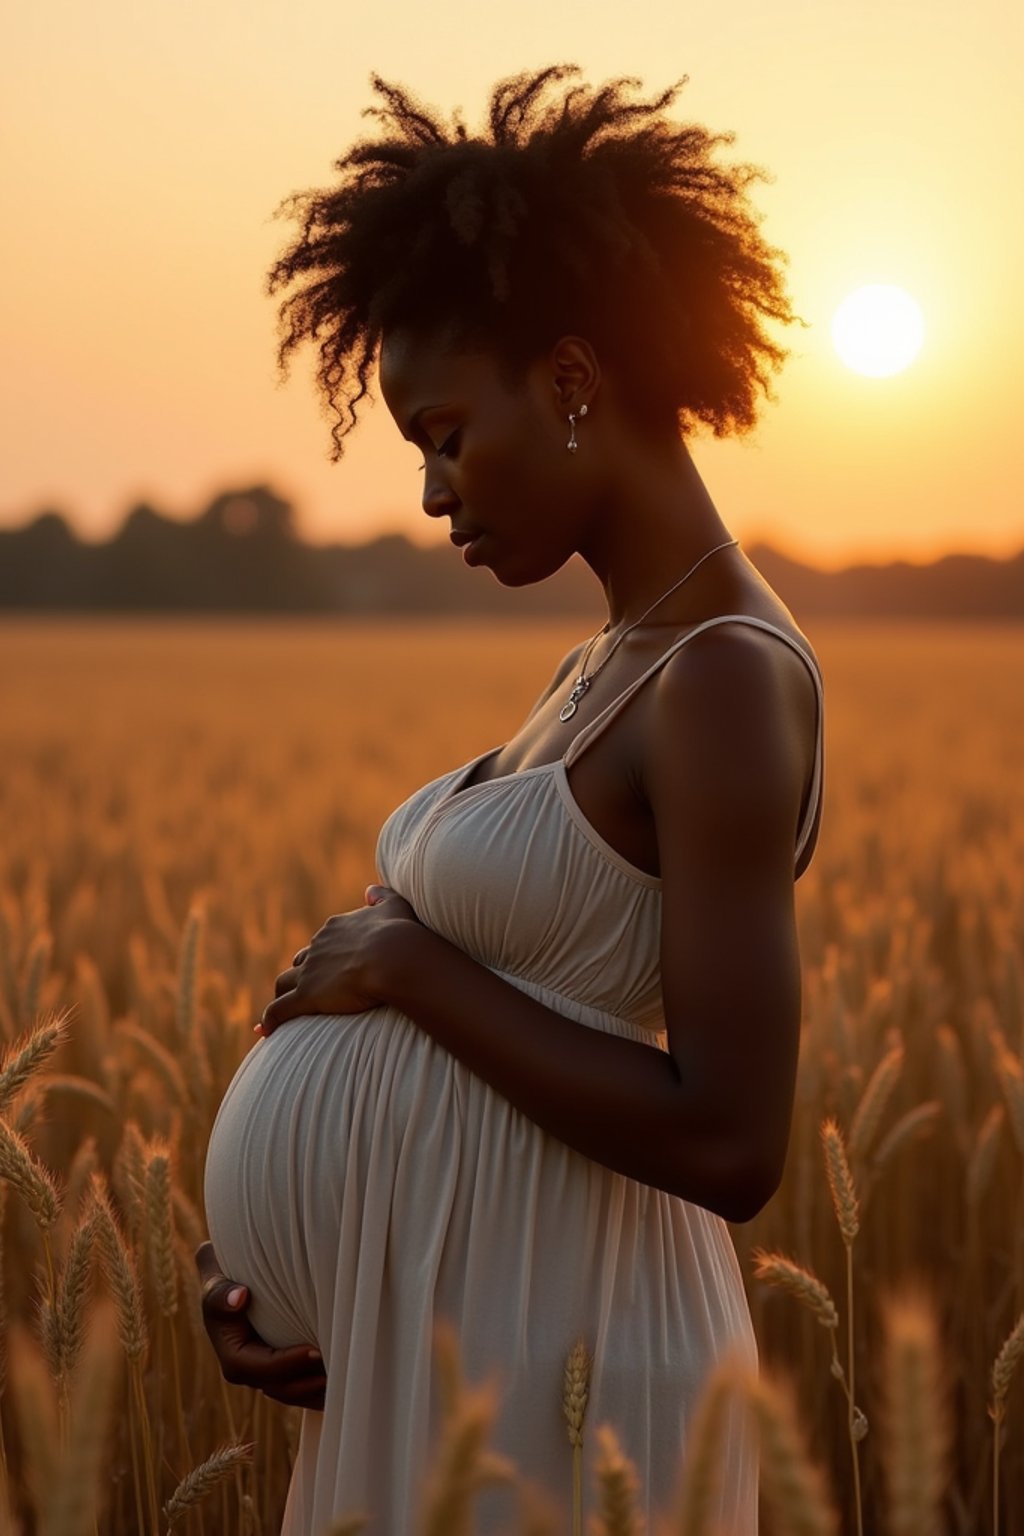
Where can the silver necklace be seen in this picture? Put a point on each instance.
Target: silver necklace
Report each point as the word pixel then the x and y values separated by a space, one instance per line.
pixel 583 682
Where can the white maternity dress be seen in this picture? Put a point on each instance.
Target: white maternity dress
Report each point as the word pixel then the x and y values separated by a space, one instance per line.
pixel 361 1182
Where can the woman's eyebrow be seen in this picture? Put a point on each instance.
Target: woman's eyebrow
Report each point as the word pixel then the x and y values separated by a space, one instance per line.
pixel 414 420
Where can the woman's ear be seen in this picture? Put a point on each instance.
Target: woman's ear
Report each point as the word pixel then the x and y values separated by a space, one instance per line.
pixel 575 373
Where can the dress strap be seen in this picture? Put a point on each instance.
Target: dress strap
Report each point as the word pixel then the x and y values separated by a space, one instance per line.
pixel 591 731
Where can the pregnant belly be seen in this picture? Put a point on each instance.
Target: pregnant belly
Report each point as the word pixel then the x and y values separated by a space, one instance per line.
pixel 315 1127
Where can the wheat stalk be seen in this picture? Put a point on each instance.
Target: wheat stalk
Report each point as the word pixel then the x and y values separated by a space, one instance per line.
pixel 917 1432
pixel 198 1483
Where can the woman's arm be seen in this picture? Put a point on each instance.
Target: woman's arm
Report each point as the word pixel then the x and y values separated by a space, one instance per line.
pixel 709 1119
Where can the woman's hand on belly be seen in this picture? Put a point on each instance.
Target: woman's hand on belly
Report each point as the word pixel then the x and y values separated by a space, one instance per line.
pixel 294 1376
pixel 342 968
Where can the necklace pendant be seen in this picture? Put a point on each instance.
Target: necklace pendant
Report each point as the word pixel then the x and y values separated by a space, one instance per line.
pixel 579 688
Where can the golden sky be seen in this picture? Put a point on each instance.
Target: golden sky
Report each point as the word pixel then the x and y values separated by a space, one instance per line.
pixel 145 147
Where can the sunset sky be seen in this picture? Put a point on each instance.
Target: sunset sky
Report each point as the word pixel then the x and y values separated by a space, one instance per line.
pixel 144 149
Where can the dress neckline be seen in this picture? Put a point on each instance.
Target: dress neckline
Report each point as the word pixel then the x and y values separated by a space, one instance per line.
pixel 451 794
pixel 558 768
pixel 604 715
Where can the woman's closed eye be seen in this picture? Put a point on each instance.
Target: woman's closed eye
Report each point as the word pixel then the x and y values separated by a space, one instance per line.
pixel 446 449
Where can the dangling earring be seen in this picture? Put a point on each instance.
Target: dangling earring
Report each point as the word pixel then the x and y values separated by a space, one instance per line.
pixel 572 444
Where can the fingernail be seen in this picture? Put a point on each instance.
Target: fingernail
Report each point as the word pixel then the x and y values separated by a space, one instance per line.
pixel 314 1354
pixel 235 1296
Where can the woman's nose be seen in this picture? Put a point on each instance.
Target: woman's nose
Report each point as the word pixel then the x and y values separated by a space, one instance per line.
pixel 438 497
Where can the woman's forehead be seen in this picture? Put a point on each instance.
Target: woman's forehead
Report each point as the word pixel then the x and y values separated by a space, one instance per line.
pixel 414 369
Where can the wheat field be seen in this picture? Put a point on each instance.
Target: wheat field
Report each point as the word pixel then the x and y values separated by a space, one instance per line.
pixel 183 803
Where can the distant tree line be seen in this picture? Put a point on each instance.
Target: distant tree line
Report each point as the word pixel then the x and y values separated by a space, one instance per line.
pixel 243 555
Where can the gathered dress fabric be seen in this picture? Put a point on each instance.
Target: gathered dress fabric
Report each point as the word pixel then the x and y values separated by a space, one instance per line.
pixel 362 1183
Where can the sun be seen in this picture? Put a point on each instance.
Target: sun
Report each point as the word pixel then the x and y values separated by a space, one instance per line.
pixel 878 330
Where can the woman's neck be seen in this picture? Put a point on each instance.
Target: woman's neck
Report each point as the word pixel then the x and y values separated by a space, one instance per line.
pixel 655 522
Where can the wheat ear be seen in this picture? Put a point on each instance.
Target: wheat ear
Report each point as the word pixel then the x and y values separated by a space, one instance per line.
pixel 793 1488
pixel 157 1056
pixel 618 1487
pixel 916 1121
pixel 1011 1080
pixel 27 1055
pixel 1006 1362
pixel 36 966
pixel 197 1483
pixel 160 1227
pixel 36 1407
pixel 74 1503
pixel 953 1078
pixel 873 1101
pixel 776 1269
pixel 72 1297
pixel 983 1157
pixel 188 969
pixel 705 1447
pixel 917 1432
pixel 462 1464
pixel 575 1392
pixel 120 1273
pixel 33 1182
pixel 844 1202
pixel 840 1180
pixel 129 1175
pixel 4 1324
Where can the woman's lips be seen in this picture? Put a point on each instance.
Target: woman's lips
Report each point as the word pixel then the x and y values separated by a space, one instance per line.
pixel 469 539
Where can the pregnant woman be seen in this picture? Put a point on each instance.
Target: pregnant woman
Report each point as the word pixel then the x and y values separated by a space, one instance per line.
pixel 528 1084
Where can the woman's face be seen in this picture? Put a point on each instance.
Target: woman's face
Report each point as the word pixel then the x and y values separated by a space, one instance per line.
pixel 494 457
